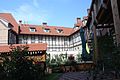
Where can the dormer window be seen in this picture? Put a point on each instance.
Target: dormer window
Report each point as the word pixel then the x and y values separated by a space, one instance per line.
pixel 46 30
pixel 59 30
pixel 32 29
pixel 76 27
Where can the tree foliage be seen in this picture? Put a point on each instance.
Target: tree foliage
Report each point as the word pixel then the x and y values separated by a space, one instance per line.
pixel 18 67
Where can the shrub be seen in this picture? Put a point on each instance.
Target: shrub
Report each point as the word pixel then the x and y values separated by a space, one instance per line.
pixel 18 67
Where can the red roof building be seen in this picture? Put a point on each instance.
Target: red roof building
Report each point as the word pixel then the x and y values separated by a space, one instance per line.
pixel 58 39
pixel 31 47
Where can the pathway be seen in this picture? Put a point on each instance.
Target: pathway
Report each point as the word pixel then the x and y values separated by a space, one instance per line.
pixel 74 76
pixel 84 75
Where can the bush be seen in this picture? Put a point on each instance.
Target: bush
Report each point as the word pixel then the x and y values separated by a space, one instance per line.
pixel 18 67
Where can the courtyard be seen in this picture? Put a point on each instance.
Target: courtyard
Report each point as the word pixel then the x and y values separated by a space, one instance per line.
pixel 87 49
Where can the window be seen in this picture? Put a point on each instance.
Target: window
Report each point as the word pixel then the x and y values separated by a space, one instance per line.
pixel 25 39
pixel 32 39
pixel 36 39
pixel 76 27
pixel 65 41
pixel 59 30
pixel 46 30
pixel 53 41
pixel 32 29
pixel 40 38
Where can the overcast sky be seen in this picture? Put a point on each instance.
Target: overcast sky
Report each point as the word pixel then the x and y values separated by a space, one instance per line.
pixel 54 12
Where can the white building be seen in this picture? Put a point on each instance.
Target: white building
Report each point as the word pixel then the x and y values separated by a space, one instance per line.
pixel 60 40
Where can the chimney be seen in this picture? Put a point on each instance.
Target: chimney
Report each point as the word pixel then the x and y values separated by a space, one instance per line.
pixel 78 20
pixel 44 24
pixel 20 22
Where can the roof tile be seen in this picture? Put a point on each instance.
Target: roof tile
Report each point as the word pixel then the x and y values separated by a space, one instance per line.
pixel 32 47
pixel 8 17
pixel 24 29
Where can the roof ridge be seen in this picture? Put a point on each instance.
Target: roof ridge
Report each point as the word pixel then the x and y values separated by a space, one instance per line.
pixel 26 25
pixel 5 13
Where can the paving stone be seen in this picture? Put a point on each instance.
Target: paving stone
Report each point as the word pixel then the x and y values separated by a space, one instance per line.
pixel 74 76
pixel 83 76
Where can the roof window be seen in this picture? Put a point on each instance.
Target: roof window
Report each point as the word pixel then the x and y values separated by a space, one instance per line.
pixel 59 30
pixel 32 30
pixel 76 27
pixel 46 30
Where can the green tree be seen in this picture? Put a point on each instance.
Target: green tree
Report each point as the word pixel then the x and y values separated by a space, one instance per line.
pixel 18 67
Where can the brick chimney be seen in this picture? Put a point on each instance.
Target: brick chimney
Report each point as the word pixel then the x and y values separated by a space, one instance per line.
pixel 20 22
pixel 44 24
pixel 78 20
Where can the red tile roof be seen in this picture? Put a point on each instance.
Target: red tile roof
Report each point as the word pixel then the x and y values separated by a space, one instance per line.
pixel 8 17
pixel 32 47
pixel 76 30
pixel 24 29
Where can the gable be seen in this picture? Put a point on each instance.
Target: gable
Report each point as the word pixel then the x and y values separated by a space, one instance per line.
pixel 3 24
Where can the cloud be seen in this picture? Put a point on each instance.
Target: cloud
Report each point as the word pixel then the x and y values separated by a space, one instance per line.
pixel 30 14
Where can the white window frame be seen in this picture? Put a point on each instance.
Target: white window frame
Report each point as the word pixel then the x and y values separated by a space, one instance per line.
pixel 32 30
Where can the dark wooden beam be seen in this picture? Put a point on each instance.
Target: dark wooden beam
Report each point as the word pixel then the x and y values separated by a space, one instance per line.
pixel 116 18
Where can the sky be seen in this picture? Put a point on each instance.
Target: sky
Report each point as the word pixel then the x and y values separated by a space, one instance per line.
pixel 54 12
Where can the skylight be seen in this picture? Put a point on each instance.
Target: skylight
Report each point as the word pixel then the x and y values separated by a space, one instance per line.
pixel 32 29
pixel 76 27
pixel 46 30
pixel 59 30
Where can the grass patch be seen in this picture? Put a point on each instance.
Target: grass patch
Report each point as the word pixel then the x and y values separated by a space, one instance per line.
pixel 53 76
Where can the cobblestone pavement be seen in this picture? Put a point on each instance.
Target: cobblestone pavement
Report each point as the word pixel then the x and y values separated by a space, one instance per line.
pixel 84 75
pixel 75 76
